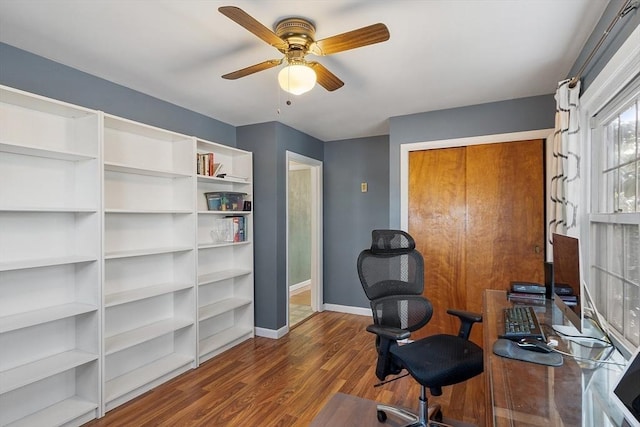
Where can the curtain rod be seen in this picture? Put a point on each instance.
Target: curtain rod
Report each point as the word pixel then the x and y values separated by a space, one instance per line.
pixel 627 7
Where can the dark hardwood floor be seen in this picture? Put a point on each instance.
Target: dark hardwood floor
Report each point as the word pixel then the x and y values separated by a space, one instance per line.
pixel 286 382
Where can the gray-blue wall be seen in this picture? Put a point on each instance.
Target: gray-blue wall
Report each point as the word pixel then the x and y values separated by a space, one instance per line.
pixel 269 143
pixel 349 214
pixel 35 74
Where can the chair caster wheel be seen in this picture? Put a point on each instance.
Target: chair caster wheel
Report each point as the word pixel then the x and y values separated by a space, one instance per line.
pixel 437 416
pixel 382 416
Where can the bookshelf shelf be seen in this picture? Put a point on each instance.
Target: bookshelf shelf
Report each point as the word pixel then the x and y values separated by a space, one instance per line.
pixel 35 151
pixel 145 252
pixel 136 294
pixel 222 306
pixel 45 262
pixel 59 413
pixel 222 245
pixel 139 380
pixel 221 275
pixel 224 213
pixel 137 336
pixel 43 315
pixel 122 168
pixel 46 210
pixel 212 345
pixel 149 211
pixel 31 372
pixel 223 181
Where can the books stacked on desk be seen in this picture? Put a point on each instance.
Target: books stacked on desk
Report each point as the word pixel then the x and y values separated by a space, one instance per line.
pixel 527 293
pixel 565 292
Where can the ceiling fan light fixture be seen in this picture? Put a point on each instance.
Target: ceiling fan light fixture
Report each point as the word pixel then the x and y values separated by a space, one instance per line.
pixel 297 78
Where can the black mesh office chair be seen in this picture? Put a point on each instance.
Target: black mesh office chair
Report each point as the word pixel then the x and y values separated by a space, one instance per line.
pixel 392 275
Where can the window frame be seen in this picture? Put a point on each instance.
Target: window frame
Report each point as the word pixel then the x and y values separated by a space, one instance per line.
pixel 605 95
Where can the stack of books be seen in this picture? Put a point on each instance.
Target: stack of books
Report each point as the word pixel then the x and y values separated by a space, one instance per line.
pixel 565 292
pixel 527 293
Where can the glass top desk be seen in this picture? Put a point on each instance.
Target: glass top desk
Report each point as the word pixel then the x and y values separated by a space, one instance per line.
pixel 521 393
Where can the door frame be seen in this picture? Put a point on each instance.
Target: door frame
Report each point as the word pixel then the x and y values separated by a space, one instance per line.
pixel 405 149
pixel 315 167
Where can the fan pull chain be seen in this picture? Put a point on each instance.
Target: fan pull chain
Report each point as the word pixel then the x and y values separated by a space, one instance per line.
pixel 288 102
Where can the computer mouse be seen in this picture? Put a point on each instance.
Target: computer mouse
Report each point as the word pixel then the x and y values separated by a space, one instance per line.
pixel 534 345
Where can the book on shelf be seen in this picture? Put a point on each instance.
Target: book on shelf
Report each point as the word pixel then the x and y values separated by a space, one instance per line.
pixel 239 228
pixel 230 229
pixel 205 164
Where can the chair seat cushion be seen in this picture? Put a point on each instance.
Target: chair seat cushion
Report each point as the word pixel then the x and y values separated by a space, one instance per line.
pixel 440 360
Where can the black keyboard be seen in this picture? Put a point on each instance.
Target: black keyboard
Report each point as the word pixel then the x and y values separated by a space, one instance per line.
pixel 521 322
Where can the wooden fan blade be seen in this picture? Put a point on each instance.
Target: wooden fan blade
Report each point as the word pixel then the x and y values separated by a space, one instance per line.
pixel 253 69
pixel 245 20
pixel 326 78
pixel 364 36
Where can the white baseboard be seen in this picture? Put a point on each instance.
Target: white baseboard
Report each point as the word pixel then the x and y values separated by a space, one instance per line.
pixel 271 333
pixel 277 334
pixel 300 287
pixel 348 309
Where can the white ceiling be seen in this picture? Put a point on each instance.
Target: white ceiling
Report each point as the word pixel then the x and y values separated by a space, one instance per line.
pixel 441 54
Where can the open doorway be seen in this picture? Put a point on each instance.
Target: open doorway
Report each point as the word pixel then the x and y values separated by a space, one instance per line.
pixel 304 237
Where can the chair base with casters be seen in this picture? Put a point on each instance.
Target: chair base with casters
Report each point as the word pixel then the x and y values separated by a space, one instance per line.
pixel 426 414
pixel 391 273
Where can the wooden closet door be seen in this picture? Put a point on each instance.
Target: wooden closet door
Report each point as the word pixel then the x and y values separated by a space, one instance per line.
pixel 477 214
pixel 505 209
pixel 437 221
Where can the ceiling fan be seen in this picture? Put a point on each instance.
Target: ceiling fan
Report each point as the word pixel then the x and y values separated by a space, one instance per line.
pixel 295 38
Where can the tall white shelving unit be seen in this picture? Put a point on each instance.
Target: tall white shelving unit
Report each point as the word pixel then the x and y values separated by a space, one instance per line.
pixel 49 261
pixel 110 283
pixel 225 270
pixel 149 258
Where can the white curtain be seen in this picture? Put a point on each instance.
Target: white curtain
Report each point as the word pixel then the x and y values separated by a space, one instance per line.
pixel 565 165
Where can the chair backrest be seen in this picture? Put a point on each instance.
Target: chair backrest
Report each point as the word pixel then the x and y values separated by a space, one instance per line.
pixel 392 275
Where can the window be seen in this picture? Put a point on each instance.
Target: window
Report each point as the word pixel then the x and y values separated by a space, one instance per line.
pixel 614 221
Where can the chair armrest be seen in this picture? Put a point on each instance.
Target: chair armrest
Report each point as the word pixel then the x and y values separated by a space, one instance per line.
pixel 386 338
pixel 394 334
pixel 466 315
pixel 467 319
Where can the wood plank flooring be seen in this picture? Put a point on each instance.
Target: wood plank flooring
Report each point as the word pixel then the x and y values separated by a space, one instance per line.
pixel 286 382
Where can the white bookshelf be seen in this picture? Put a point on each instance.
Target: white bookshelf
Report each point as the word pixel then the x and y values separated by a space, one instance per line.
pixel 225 268
pixel 49 261
pixel 110 281
pixel 149 258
